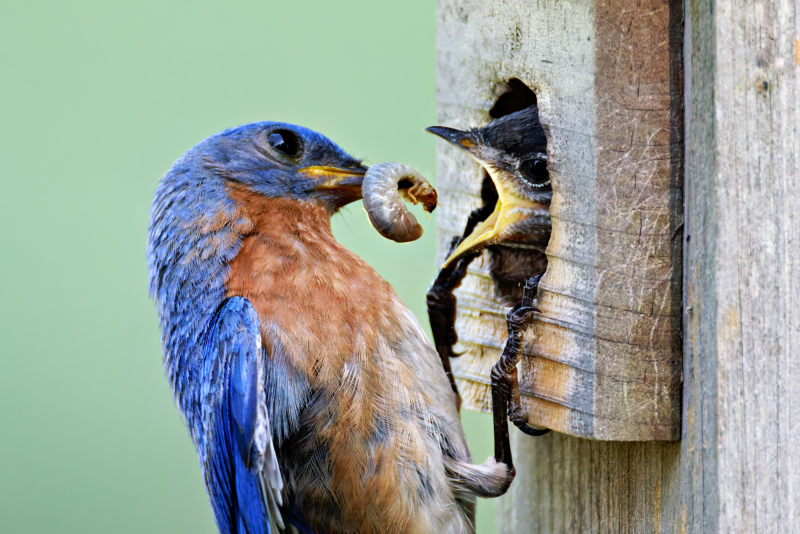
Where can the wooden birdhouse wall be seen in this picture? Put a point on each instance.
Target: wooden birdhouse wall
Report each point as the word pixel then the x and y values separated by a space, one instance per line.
pixel 603 359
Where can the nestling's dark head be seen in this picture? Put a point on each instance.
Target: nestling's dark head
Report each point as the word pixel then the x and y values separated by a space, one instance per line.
pixel 513 150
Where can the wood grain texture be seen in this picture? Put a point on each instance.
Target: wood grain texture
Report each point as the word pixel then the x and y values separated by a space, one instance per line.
pixel 603 358
pixel 740 467
pixel 567 485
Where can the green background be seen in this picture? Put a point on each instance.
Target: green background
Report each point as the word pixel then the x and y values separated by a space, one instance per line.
pixel 98 98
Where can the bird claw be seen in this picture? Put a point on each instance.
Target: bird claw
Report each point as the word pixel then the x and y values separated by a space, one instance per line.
pixel 505 385
pixel 531 430
pixel 529 291
pixel 518 320
pixel 519 316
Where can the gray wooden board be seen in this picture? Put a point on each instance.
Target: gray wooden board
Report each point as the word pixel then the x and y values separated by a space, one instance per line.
pixel 566 485
pixel 740 469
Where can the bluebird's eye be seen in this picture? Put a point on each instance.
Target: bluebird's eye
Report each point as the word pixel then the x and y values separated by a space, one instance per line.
pixel 284 141
pixel 535 171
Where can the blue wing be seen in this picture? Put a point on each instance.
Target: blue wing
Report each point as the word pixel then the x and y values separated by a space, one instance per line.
pixel 241 470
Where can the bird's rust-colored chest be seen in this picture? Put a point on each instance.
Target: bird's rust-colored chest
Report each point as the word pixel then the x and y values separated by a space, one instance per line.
pixel 344 329
pixel 300 280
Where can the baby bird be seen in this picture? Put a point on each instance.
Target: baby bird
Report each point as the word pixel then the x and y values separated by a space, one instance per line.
pixel 514 224
pixel 313 397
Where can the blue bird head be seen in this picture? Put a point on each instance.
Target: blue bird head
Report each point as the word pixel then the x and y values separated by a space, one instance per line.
pixel 284 160
pixel 197 226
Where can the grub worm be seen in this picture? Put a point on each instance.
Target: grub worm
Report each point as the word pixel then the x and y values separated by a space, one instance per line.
pixel 385 187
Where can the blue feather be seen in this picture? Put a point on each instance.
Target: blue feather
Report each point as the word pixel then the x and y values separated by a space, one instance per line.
pixel 237 464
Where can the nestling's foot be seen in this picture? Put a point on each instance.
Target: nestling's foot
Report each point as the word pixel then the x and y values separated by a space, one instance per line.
pixel 520 315
pixel 516 413
pixel 505 384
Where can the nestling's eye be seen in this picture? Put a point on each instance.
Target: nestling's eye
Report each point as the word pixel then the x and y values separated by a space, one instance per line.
pixel 284 141
pixel 535 171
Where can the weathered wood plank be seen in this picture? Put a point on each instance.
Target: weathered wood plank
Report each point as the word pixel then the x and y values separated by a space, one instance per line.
pixel 480 46
pixel 603 359
pixel 570 485
pixel 742 263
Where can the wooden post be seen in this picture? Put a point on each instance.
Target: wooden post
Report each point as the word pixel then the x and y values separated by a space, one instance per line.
pixel 736 466
pixel 740 461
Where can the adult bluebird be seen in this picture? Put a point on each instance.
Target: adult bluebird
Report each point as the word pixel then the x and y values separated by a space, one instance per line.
pixel 313 397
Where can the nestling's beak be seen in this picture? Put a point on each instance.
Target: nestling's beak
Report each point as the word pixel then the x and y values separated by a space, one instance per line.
pixel 462 140
pixel 337 178
pixel 491 230
pixel 511 208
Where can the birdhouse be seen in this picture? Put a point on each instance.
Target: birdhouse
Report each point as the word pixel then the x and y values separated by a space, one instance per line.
pixel 602 359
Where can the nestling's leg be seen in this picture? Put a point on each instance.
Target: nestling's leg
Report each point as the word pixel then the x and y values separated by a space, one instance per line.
pixel 505 384
pixel 516 413
pixel 494 476
pixel 442 303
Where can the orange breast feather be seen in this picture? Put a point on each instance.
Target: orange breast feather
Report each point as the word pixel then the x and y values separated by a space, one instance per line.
pixel 342 324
